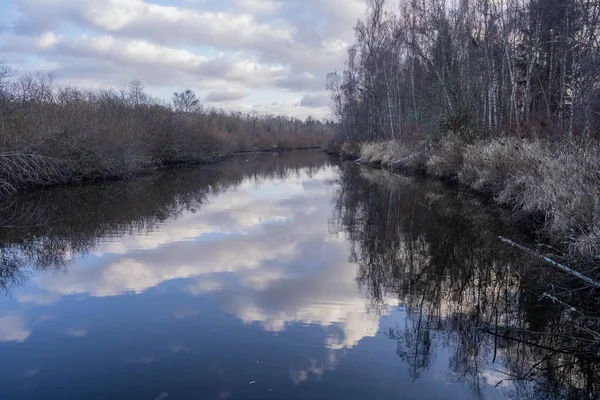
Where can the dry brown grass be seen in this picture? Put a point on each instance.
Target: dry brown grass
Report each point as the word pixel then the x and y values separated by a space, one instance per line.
pixel 448 158
pixel 556 181
pixel 393 154
pixel 351 149
pixel 376 153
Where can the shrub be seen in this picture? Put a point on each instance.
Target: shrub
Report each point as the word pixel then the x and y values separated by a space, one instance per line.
pixel 110 134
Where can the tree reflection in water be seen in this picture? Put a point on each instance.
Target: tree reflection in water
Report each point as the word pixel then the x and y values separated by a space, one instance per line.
pixel 45 229
pixel 437 252
pixel 432 249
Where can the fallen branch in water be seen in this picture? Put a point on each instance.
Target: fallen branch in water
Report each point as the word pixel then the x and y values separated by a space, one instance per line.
pixel 560 266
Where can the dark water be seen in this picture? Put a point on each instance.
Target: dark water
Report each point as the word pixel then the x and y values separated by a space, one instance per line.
pixel 273 277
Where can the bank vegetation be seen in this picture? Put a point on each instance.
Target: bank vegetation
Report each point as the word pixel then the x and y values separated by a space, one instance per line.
pixel 500 96
pixel 64 134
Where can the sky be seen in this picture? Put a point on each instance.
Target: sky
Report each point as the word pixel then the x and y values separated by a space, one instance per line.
pixel 240 55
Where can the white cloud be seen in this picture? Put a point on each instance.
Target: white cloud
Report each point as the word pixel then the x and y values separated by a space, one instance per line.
pixel 316 369
pixel 497 379
pixel 13 328
pixel 77 333
pixel 271 261
pixel 257 7
pixel 226 95
pixel 222 50
pixel 315 100
pixel 40 298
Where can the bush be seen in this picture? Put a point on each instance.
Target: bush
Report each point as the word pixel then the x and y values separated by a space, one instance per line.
pixel 111 134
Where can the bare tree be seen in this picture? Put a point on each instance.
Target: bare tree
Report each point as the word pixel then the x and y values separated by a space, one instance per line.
pixel 186 101
pixel 473 68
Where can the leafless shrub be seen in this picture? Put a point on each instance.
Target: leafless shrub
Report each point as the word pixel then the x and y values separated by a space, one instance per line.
pixel 17 169
pixel 64 134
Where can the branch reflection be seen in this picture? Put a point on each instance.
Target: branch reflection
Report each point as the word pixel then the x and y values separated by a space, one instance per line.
pixel 437 252
pixel 45 229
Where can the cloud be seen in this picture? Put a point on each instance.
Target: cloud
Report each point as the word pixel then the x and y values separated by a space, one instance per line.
pixel 257 7
pixel 283 270
pixel 242 219
pixel 40 298
pixel 226 95
pixel 315 100
pixel 316 369
pixel 13 328
pixel 209 46
pixel 167 65
pixel 159 23
pixel 78 333
pixel 496 378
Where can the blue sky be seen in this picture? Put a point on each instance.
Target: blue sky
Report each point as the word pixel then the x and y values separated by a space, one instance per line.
pixel 246 55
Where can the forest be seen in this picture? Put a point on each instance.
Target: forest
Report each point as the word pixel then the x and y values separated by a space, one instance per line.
pixel 53 134
pixel 499 96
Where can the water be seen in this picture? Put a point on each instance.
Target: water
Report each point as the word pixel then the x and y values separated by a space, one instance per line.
pixel 272 277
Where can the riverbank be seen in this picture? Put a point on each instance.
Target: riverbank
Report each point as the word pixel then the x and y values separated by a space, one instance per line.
pixel 52 134
pixel 552 186
pixel 26 171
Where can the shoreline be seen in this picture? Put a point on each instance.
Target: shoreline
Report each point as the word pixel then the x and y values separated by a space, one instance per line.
pixel 146 170
pixel 531 224
pixel 574 288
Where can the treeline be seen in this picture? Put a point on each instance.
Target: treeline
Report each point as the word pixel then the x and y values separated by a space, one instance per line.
pixel 52 134
pixel 501 96
pixel 479 68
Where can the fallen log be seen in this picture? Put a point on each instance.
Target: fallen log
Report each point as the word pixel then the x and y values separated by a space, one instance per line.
pixel 558 265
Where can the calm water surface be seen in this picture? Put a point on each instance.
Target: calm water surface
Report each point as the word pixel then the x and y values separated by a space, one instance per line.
pixel 267 277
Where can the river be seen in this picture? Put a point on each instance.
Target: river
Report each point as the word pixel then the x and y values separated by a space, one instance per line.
pixel 288 276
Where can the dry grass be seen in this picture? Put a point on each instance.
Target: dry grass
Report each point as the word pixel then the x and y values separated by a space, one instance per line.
pixel 393 154
pixel 557 181
pixel 351 149
pixel 448 158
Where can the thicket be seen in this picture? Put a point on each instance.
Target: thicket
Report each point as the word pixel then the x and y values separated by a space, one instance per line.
pixel 57 134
